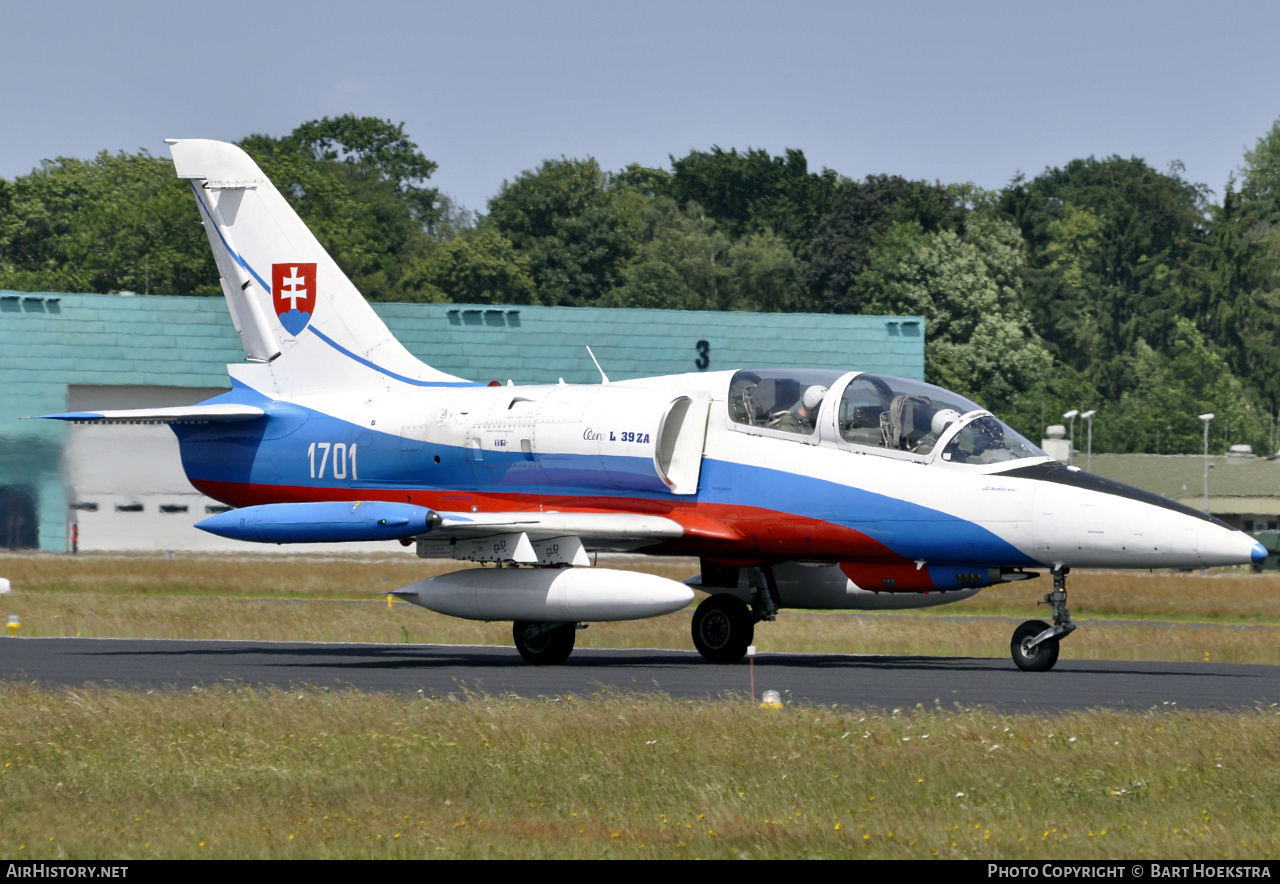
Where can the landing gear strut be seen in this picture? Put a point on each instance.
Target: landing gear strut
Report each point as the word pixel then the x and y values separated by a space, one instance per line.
pixel 723 625
pixel 1035 643
pixel 764 593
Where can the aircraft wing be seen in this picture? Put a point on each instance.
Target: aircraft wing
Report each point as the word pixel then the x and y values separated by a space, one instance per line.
pixel 527 537
pixel 588 526
pixel 169 415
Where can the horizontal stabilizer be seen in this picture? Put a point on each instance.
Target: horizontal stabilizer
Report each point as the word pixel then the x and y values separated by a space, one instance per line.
pixel 327 522
pixel 177 414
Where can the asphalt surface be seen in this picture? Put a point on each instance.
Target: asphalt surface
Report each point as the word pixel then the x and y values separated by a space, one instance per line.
pixel 826 679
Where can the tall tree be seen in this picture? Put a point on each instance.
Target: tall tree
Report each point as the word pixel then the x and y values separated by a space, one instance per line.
pixel 1261 174
pixel 684 261
pixel 1169 391
pixel 119 222
pixel 477 267
pixel 575 226
pixel 1107 242
pixel 979 340
pixel 859 214
pixel 378 148
pixel 751 192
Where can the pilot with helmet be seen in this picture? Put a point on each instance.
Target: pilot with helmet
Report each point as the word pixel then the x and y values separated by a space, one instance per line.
pixel 803 416
pixel 938 424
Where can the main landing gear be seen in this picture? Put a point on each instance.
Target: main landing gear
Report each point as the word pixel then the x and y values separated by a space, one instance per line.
pixel 723 625
pixel 1035 643
pixel 547 644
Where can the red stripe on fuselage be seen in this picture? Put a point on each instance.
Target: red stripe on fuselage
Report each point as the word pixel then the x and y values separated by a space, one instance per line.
pixel 731 535
pixel 890 577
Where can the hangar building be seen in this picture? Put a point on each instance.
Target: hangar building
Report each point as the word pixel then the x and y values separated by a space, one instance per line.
pixel 122 487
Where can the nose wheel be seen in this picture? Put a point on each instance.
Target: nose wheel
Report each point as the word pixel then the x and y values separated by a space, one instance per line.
pixel 1035 643
pixel 1030 655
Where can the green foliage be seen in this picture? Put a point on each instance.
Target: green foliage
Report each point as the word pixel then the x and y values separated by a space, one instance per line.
pixel 119 222
pixel 575 226
pixel 861 212
pixel 1232 275
pixel 1169 391
pixel 753 192
pixel 1261 184
pixel 479 267
pixel 1107 241
pixel 686 262
pixel 378 148
pixel 979 340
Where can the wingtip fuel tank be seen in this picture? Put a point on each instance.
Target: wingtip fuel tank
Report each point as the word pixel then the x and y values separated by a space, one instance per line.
pixel 325 522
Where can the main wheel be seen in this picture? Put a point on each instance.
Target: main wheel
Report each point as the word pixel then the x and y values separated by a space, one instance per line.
pixel 1038 659
pixel 543 648
pixel 722 628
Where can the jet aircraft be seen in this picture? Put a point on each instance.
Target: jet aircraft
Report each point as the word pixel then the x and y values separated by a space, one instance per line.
pixel 795 489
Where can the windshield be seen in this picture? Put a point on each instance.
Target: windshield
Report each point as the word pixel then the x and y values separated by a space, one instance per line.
pixel 986 440
pixel 898 414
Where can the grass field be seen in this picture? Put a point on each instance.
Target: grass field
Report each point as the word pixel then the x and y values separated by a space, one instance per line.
pixel 234 772
pixel 1229 616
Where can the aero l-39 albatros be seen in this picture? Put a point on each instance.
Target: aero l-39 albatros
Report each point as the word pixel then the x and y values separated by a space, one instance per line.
pixel 800 489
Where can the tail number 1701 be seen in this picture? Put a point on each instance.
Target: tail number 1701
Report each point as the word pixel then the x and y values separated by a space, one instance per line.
pixel 344 459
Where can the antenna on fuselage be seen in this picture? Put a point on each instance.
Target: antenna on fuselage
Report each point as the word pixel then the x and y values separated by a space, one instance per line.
pixel 604 378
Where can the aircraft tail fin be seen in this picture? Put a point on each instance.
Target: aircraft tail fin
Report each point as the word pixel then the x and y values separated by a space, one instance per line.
pixel 295 310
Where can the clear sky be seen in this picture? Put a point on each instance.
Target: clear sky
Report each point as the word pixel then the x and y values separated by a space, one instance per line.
pixel 973 91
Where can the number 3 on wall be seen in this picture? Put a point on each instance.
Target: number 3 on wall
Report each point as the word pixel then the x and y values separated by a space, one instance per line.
pixel 704 355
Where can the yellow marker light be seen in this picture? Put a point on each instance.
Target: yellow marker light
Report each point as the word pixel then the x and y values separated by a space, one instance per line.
pixel 771 700
pixel 14 623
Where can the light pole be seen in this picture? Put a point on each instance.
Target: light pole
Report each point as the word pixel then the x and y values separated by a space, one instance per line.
pixel 1088 415
pixel 1071 416
pixel 1206 418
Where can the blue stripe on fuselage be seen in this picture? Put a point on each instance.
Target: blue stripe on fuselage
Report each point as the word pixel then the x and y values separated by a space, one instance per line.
pixel 911 530
pixel 273 451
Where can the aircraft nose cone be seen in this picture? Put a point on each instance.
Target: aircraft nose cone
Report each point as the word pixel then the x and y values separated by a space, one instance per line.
pixel 1218 545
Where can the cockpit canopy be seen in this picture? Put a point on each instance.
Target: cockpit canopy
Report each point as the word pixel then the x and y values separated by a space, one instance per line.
pixel 774 398
pixel 876 412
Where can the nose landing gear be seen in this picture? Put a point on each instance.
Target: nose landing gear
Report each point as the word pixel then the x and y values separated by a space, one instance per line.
pixel 1035 643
